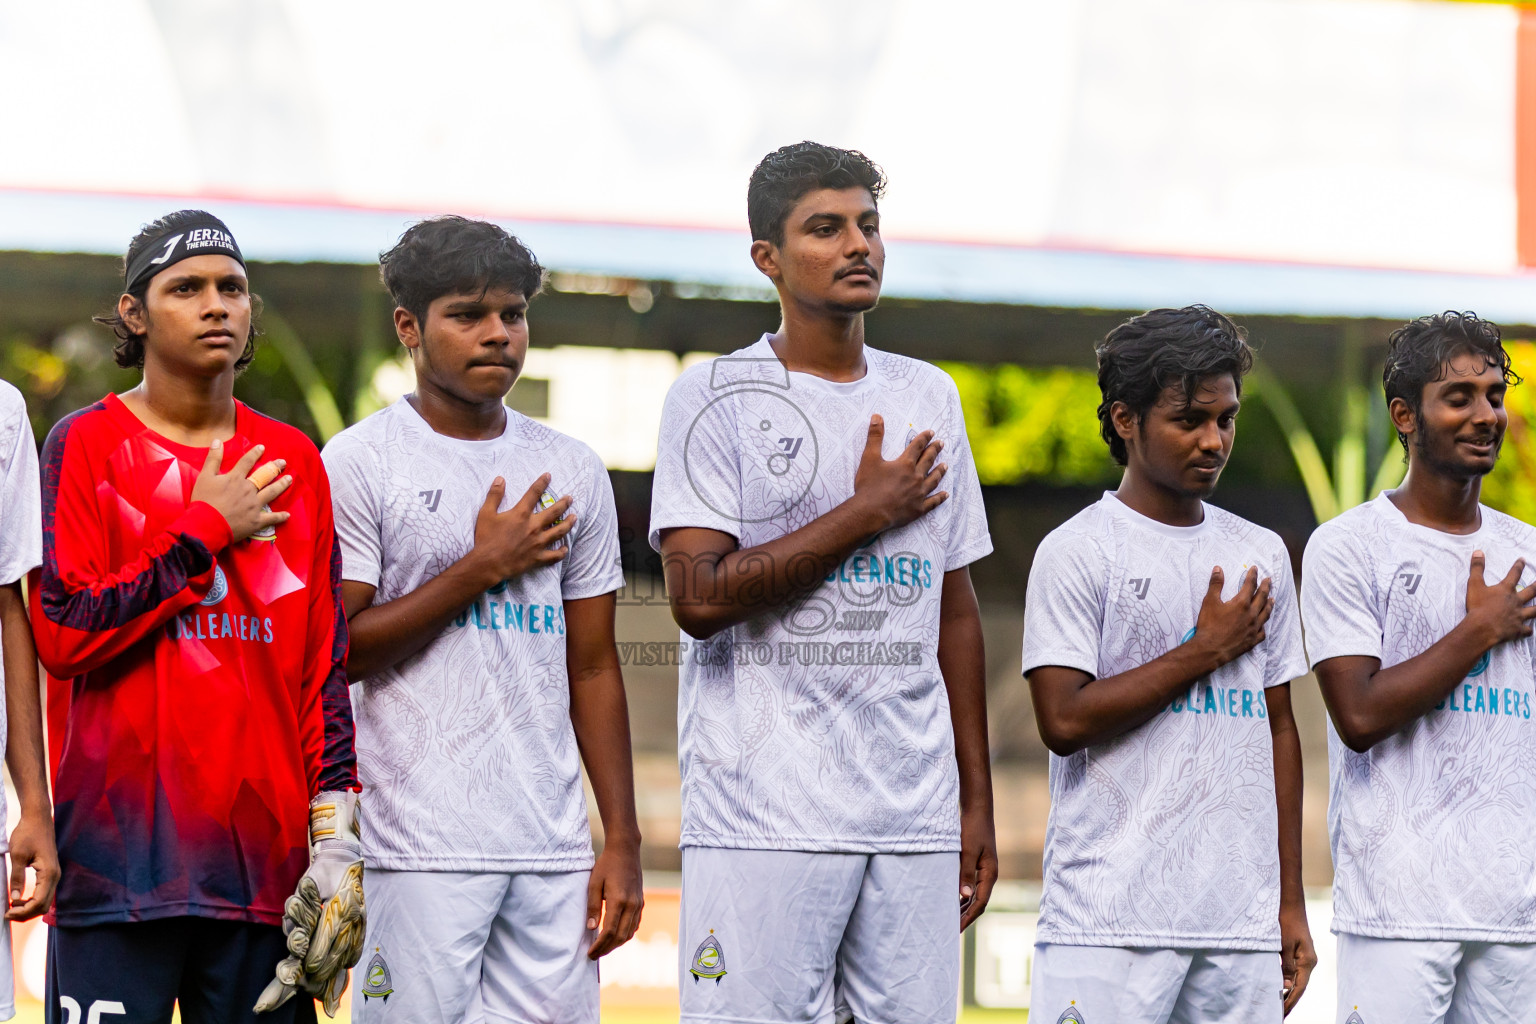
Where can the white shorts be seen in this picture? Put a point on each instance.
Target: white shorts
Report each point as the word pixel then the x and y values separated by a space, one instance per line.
pixel 777 936
pixel 1409 981
pixel 7 978
pixel 450 947
pixel 1111 985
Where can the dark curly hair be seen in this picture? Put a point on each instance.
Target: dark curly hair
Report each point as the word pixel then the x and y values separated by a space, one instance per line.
pixel 1165 348
pixel 129 350
pixel 455 255
pixel 1421 351
pixel 786 174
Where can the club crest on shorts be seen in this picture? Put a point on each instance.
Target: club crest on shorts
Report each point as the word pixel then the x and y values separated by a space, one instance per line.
pixel 708 960
pixel 1071 1015
pixel 376 980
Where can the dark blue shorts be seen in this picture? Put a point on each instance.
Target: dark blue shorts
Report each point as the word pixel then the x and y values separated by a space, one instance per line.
pixel 133 973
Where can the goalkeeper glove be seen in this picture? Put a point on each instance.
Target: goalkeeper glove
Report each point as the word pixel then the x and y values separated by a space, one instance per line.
pixel 324 919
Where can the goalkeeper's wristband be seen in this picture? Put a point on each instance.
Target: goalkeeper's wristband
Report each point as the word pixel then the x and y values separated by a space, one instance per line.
pixel 333 819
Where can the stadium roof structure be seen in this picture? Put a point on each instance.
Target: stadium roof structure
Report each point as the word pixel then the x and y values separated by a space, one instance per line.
pixel 1325 159
pixel 1030 275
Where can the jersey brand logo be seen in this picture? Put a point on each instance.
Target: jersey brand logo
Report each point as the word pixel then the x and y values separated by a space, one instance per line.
pixel 1141 586
pixel 430 499
pixel 1410 581
pixel 791 446
pixel 708 960
pixel 167 254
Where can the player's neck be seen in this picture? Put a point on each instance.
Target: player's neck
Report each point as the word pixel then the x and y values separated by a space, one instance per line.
pixel 1439 501
pixel 826 344
pixel 1140 493
pixel 189 410
pixel 456 417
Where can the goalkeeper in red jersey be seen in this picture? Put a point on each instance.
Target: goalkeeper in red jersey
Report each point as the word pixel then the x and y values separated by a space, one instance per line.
pixel 188 612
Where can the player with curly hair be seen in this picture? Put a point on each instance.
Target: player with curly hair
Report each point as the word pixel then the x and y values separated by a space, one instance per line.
pixel 1160 638
pixel 1418 607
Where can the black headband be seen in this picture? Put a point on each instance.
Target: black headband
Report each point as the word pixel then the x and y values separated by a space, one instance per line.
pixel 204 236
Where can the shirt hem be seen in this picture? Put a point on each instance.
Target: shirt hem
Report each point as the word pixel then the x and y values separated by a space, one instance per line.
pixel 1132 940
pixel 801 844
pixel 481 865
pixel 1060 659
pixel 1440 933
pixel 722 525
pixel 128 915
pixel 592 590
pixel 967 555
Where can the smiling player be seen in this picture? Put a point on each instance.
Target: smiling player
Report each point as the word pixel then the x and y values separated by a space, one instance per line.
pixel 1418 612
pixel 1160 638
pixel 188 611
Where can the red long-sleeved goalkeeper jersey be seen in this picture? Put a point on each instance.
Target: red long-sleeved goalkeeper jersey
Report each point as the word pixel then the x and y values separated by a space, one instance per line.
pixel 197 695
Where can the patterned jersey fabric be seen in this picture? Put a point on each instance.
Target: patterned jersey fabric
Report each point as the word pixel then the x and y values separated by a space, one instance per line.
pixel 1433 827
pixel 197 696
pixel 467 747
pixel 823 725
pixel 1167 835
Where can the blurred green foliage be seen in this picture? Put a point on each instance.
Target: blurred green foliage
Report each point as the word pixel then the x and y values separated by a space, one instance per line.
pixel 1033 424
pixel 1511 487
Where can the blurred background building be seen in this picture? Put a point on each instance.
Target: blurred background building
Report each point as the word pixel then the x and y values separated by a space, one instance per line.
pixel 1320 169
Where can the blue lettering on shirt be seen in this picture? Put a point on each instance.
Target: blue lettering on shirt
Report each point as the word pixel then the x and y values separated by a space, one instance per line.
pixel 507 617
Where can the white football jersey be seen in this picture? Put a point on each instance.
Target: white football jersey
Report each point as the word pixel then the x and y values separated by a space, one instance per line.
pixel 823 725
pixel 1167 835
pixel 21 521
pixel 1434 828
pixel 465 749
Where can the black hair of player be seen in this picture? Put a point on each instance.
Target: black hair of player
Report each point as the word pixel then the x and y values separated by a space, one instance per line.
pixel 453 255
pixel 1420 352
pixel 129 350
pixel 782 177
pixel 1166 348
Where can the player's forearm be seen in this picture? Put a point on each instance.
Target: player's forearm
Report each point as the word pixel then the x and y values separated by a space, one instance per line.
pixel 1286 743
pixel 386 634
pixel 963 664
pixel 23 705
pixel 1368 710
pixel 600 719
pixel 1100 710
pixel 710 592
